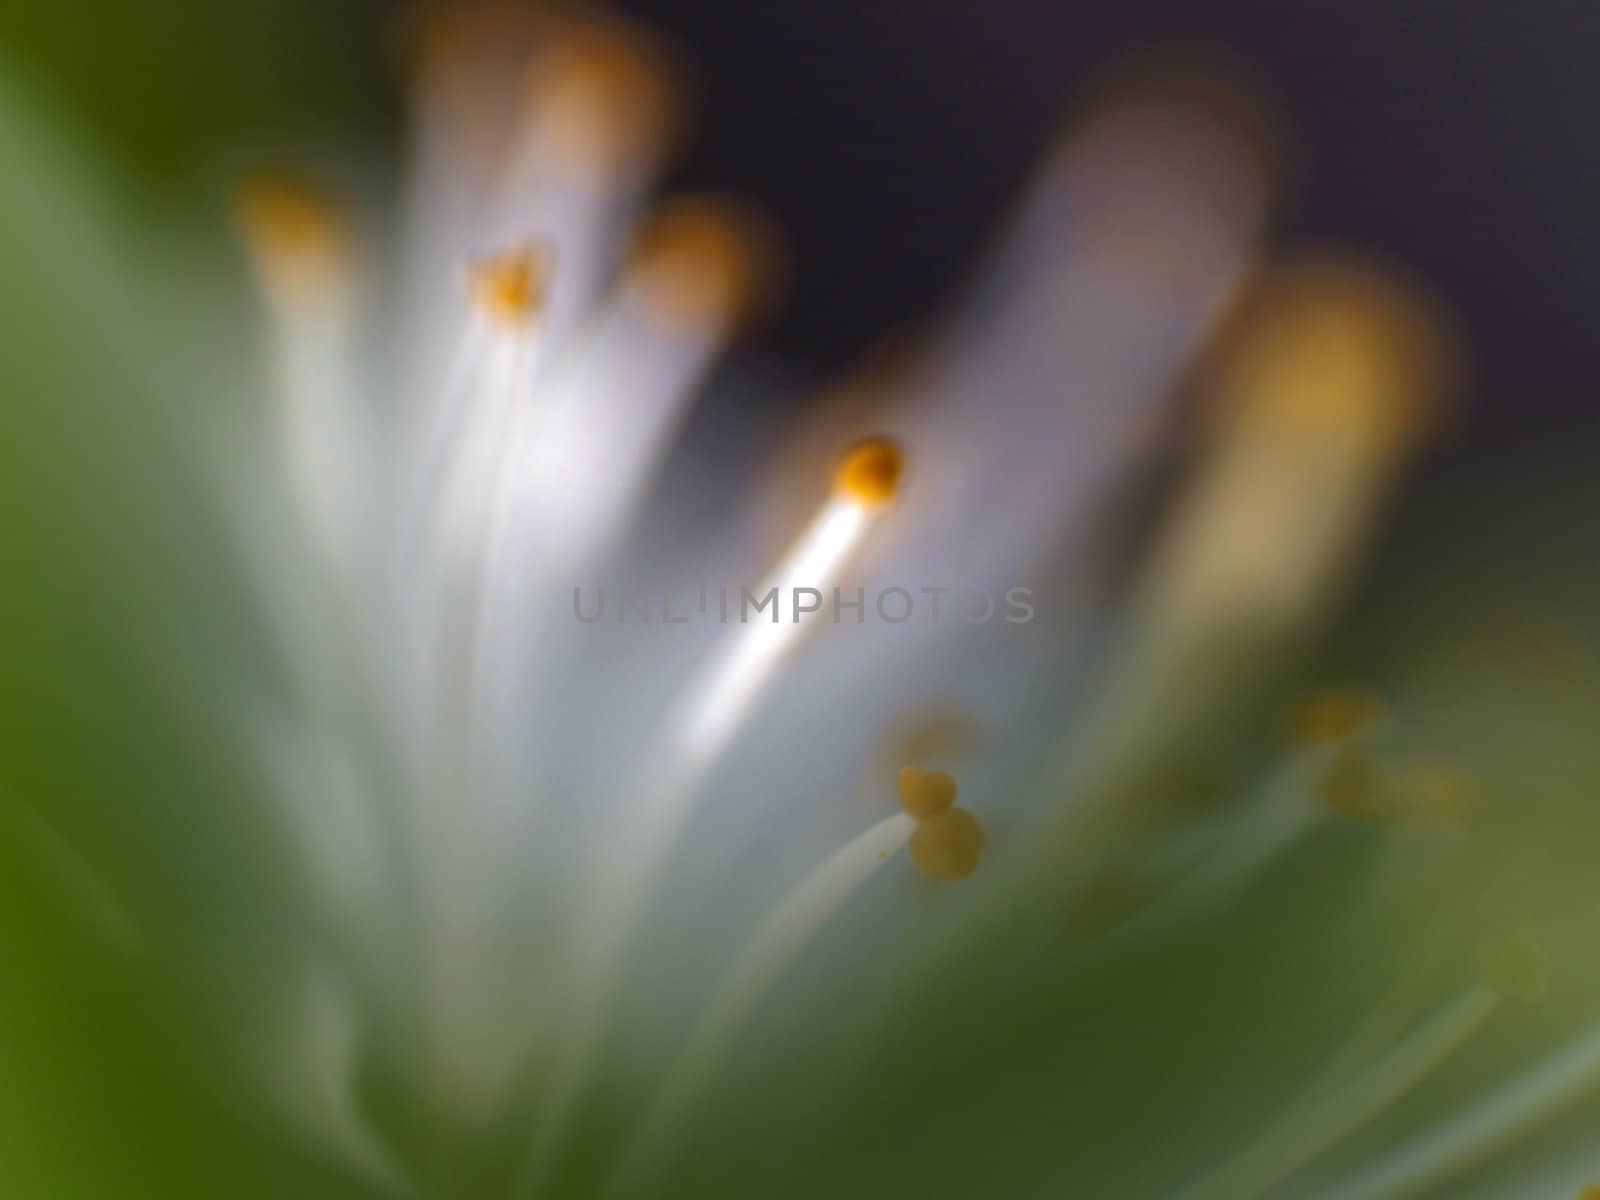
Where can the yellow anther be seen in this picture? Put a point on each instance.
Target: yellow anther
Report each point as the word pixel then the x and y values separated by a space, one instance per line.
pixel 869 472
pixel 948 844
pixel 1592 1192
pixel 438 36
pixel 1515 964
pixel 924 794
pixel 1340 352
pixel 1336 716
pixel 606 94
pixel 509 288
pixel 298 237
pixel 705 262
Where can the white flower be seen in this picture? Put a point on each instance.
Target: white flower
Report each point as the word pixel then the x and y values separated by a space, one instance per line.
pixel 596 731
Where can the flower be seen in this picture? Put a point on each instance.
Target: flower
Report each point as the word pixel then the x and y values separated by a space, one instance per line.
pixel 460 868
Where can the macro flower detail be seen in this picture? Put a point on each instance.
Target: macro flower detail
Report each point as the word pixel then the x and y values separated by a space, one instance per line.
pixel 519 719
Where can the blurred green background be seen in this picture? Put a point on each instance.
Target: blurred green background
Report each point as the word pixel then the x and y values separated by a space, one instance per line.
pixel 168 84
pixel 99 1092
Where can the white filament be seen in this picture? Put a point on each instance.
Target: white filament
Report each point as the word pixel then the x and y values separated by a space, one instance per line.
pixel 747 663
pixel 1481 1131
pixel 663 799
pixel 757 967
pixel 581 216
pixel 1327 1119
pixel 320 435
pixel 614 401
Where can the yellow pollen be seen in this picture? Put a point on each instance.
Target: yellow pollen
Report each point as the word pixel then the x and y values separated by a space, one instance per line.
pixel 705 262
pixel 606 91
pixel 292 227
pixel 509 288
pixel 1592 1192
pixel 948 844
pixel 923 794
pixel 436 36
pixel 1336 716
pixel 869 472
pixel 1336 350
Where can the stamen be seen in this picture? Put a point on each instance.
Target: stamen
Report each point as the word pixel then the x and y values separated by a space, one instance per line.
pixel 619 394
pixel 1327 378
pixel 464 462
pixel 1477 1134
pixel 301 249
pixel 476 443
pixel 869 473
pixel 636 856
pixel 759 646
pixel 1323 1121
pixel 313 1069
pixel 592 128
pixel 1333 351
pixel 925 793
pixel 469 60
pixel 944 843
pixel 757 967
pixel 508 290
pixel 705 263
pixel 863 487
pixel 948 840
pixel 439 38
pixel 1311 786
pixel 948 844
pixel 1329 374
pixel 1056 375
pixel 298 240
pixel 605 97
pixel 1258 830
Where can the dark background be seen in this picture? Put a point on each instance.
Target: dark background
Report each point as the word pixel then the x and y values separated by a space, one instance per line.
pixel 1456 136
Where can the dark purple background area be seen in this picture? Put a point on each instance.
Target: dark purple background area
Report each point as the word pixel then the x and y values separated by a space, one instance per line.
pixel 1455 136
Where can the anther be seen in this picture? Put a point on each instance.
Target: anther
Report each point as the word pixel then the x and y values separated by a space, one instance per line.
pixel 869 473
pixel 948 844
pixel 924 794
pixel 509 288
pixel 705 262
pixel 299 240
pixel 606 93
